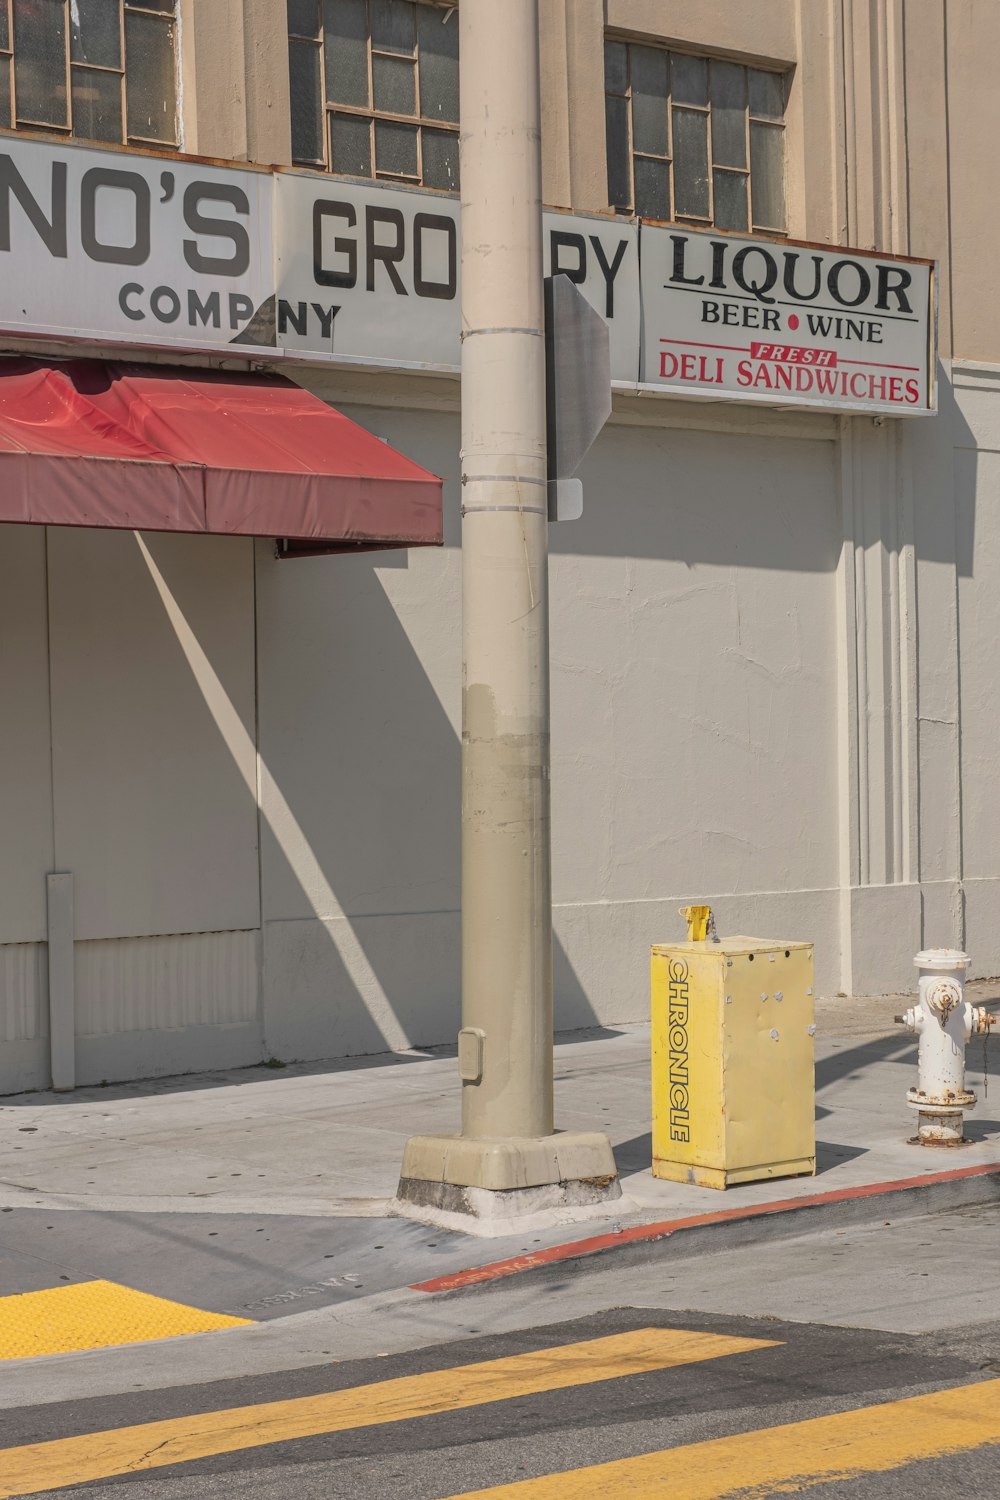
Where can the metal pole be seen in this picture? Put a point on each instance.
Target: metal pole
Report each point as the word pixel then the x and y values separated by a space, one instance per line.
pixel 506 880
pixel 508 1159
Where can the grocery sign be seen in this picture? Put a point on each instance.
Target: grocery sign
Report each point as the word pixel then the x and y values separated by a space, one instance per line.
pixel 129 250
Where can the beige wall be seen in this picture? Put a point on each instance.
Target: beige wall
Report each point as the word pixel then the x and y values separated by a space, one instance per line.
pixel 773 635
pixel 891 120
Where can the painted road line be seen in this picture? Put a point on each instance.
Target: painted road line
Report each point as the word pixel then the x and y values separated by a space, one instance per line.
pixel 95 1315
pixel 662 1229
pixel 37 1467
pixel 845 1446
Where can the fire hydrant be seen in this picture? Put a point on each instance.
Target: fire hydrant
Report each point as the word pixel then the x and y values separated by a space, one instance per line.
pixel 944 1021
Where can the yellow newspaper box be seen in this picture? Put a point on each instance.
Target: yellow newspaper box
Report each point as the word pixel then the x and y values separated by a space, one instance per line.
pixel 733 1079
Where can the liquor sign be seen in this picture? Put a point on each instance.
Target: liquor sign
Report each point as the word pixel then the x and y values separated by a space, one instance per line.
pixel 786 324
pixel 129 250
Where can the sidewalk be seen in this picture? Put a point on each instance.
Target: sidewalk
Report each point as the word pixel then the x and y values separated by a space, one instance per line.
pixel 270 1188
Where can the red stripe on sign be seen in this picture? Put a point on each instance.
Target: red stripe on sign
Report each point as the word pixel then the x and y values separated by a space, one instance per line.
pixel 878 364
pixel 667 1227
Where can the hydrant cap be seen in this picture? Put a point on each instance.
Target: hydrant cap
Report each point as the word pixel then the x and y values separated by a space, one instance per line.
pixel 945 959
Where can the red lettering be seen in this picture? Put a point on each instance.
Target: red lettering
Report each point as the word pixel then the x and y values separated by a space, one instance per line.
pixel 795 354
pixel 912 391
pixel 665 373
pixel 744 375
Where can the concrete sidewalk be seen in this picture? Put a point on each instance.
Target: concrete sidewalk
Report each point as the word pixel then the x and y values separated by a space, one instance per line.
pixel 324 1142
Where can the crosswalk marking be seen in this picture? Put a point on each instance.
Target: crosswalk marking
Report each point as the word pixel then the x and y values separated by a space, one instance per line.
pixel 36 1467
pixel 798 1455
pixel 95 1315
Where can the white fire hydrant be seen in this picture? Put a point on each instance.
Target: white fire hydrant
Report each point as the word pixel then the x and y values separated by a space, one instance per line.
pixel 944 1021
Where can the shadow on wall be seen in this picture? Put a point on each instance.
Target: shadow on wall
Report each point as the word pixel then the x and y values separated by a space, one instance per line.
pixel 749 522
pixel 362 757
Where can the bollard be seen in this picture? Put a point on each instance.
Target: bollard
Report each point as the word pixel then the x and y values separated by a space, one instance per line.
pixel 944 1021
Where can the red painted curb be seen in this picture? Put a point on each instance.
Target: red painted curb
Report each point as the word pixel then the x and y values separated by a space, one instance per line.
pixel 665 1227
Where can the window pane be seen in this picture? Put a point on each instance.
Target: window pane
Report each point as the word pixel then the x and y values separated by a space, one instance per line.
pixel 730 200
pixel 652 188
pixel 4 26
pixel 438 64
pixel 395 148
pixel 95 34
pixel 150 80
pixel 689 79
pixel 615 67
pixel 165 7
pixel 767 167
pixel 345 25
pixel 97 105
pixel 649 100
pixel 394 85
pixel 5 91
pixel 307 106
pixel 729 142
pixel 729 86
pixel 767 94
pixel 40 62
pixel 690 163
pixel 393 25
pixel 619 172
pixel 303 17
pixel 440 160
pixel 351 145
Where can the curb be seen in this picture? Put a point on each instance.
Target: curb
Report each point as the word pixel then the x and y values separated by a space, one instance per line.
pixel 931 1193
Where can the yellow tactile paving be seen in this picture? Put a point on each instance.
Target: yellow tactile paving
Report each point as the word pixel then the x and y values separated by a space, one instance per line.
pixel 95 1315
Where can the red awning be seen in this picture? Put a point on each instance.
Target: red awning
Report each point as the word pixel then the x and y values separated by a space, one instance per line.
pixel 158 448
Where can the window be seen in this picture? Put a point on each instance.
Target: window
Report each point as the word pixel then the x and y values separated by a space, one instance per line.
pixel 694 138
pixel 104 70
pixel 374 87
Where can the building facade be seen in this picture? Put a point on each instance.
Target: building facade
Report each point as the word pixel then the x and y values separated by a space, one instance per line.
pixel 773 628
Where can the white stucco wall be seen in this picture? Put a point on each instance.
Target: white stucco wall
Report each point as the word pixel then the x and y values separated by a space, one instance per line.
pixel 121 767
pixel 694 717
pixel 773 669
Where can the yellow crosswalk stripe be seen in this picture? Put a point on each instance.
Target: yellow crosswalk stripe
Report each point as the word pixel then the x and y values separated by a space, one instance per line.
pixel 35 1467
pixel 95 1315
pixel 796 1456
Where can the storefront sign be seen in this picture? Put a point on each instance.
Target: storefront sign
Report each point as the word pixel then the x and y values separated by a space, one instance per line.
pixel 784 323
pixel 122 249
pixel 373 273
pixel 116 247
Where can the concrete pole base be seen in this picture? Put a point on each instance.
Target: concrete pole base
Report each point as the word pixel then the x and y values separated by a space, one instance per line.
pixel 501 1186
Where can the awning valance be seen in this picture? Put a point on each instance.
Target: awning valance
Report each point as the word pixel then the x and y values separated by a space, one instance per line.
pixel 159 448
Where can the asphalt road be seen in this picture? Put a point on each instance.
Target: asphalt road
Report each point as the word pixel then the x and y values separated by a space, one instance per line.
pixel 782 1378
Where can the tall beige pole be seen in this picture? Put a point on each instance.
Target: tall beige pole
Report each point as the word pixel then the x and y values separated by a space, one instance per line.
pixel 507 1160
pixel 506 880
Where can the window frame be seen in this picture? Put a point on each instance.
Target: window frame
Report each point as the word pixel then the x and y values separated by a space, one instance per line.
pixel 370 114
pixel 697 221
pixel 126 137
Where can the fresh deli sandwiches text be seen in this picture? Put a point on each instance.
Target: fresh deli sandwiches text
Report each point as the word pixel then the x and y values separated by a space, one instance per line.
pixel 786 323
